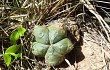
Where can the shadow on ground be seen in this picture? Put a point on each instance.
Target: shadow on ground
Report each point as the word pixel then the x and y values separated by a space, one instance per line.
pixel 75 55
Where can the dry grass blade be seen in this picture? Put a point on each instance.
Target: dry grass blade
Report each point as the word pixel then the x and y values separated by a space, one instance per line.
pixel 28 13
pixel 106 53
pixel 104 61
pixel 102 1
pixel 71 67
pixel 4 31
pixel 56 6
pixel 90 7
pixel 24 4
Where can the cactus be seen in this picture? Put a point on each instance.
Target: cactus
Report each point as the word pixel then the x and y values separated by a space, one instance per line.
pixel 52 43
pixel 41 34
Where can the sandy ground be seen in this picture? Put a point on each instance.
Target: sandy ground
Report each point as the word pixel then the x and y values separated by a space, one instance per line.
pixel 93 56
pixel 87 57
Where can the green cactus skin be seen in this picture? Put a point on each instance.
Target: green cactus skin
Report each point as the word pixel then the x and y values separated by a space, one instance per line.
pixel 56 33
pixel 52 43
pixel 63 47
pixel 41 34
pixel 39 49
pixel 52 58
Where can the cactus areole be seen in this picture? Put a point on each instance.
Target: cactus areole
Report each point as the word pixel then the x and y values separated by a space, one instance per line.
pixel 52 43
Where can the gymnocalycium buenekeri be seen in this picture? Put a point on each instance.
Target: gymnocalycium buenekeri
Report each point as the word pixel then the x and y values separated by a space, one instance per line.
pixel 52 43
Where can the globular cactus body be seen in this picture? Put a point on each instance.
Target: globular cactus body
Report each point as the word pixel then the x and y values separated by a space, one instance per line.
pixel 41 34
pixel 52 43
